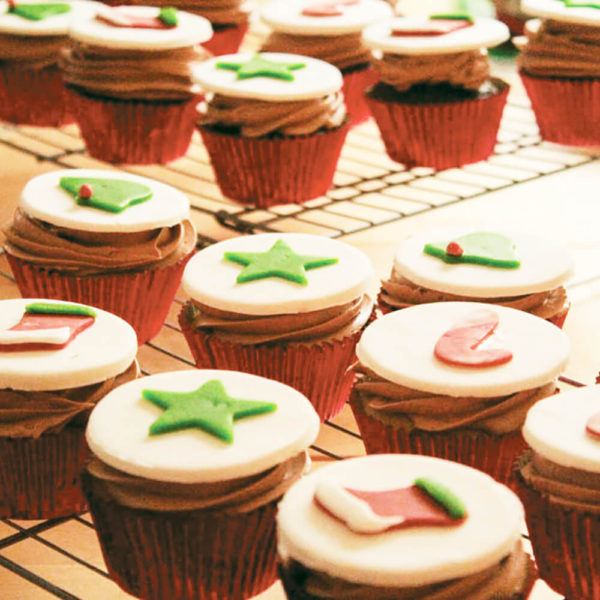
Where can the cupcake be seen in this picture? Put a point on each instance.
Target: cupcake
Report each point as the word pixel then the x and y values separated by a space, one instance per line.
pixel 116 241
pixel 399 526
pixel 31 35
pixel 560 488
pixel 330 31
pixel 507 268
pixel 455 380
pixel 290 307
pixel 56 361
pixel 129 73
pixel 187 471
pixel 436 104
pixel 560 70
pixel 266 112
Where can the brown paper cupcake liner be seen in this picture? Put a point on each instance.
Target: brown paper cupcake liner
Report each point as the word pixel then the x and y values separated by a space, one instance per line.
pixel 39 478
pixel 142 299
pixel 355 84
pixel 226 39
pixel 187 555
pixel 567 111
pixel 267 171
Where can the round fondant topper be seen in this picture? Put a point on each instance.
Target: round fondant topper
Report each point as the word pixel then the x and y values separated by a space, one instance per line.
pixel 190 30
pixel 324 17
pixel 150 204
pixel 584 14
pixel 268 76
pixel 483 33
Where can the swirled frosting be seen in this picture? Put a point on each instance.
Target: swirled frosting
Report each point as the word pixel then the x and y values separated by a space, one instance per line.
pixel 401 406
pixel 334 322
pixel 559 49
pixel 468 70
pixel 83 253
pixel 257 118
pixel 568 486
pixel 31 51
pixel 510 578
pixel 132 74
pixel 234 496
pixel 399 292
pixel 30 414
pixel 343 51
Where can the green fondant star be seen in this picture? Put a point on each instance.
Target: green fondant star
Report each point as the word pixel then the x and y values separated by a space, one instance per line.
pixel 280 261
pixel 258 66
pixel 209 408
pixel 53 308
pixel 111 195
pixel 168 15
pixel 38 12
pixel 483 248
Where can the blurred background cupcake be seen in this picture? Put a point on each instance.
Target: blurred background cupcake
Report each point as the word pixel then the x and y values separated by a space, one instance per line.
pixel 116 241
pixel 329 31
pixel 129 73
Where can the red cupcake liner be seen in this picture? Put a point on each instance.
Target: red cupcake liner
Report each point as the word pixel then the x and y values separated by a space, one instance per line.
pixel 226 39
pixel 566 544
pixel 515 23
pixel 142 299
pixel 268 171
pixel 319 371
pixel 135 131
pixel 355 84
pixel 567 111
pixel 186 555
pixel 493 454
pixel 39 478
pixel 439 135
pixel 33 96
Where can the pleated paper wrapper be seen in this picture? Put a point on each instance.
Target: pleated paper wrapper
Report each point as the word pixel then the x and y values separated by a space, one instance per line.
pixel 226 40
pixel 355 84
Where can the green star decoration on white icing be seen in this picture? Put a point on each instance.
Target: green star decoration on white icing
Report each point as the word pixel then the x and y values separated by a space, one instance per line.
pixel 258 66
pixel 208 408
pixel 280 261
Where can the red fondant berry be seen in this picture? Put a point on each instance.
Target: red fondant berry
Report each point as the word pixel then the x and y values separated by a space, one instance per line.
pixel 454 249
pixel 86 191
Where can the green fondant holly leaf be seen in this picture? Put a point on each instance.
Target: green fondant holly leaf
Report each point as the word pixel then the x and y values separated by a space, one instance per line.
pixel 451 503
pixel 51 308
pixel 111 195
pixel 280 261
pixel 483 248
pixel 452 17
pixel 581 4
pixel 258 66
pixel 209 408
pixel 38 12
pixel 168 15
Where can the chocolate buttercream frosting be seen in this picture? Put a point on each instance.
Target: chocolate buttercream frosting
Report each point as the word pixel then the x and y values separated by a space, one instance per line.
pixel 559 49
pixel 257 118
pixel 31 51
pixel 400 406
pixel 82 253
pixel 233 496
pixel 29 414
pixel 399 292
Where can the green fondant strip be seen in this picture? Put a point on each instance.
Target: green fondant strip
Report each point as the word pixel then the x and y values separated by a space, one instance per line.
pixel 451 503
pixel 258 66
pixel 208 408
pixel 168 15
pixel 280 261
pixel 453 17
pixel 49 308
pixel 485 248
pixel 39 12
pixel 111 195
pixel 581 4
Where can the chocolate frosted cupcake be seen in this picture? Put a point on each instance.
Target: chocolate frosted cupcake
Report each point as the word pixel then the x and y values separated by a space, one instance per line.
pixel 436 104
pixel 129 71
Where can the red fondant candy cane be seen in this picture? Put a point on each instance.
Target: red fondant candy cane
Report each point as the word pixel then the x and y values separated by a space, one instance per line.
pixel 593 425
pixel 328 9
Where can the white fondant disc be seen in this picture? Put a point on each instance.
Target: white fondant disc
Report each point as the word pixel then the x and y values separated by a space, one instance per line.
pixel 484 33
pixel 103 350
pixel 118 430
pixel 209 278
pixel 56 25
pixel 286 16
pixel 315 80
pixel 190 30
pixel 544 266
pixel 554 9
pixel 407 557
pixel 555 428
pixel 399 347
pixel 44 199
